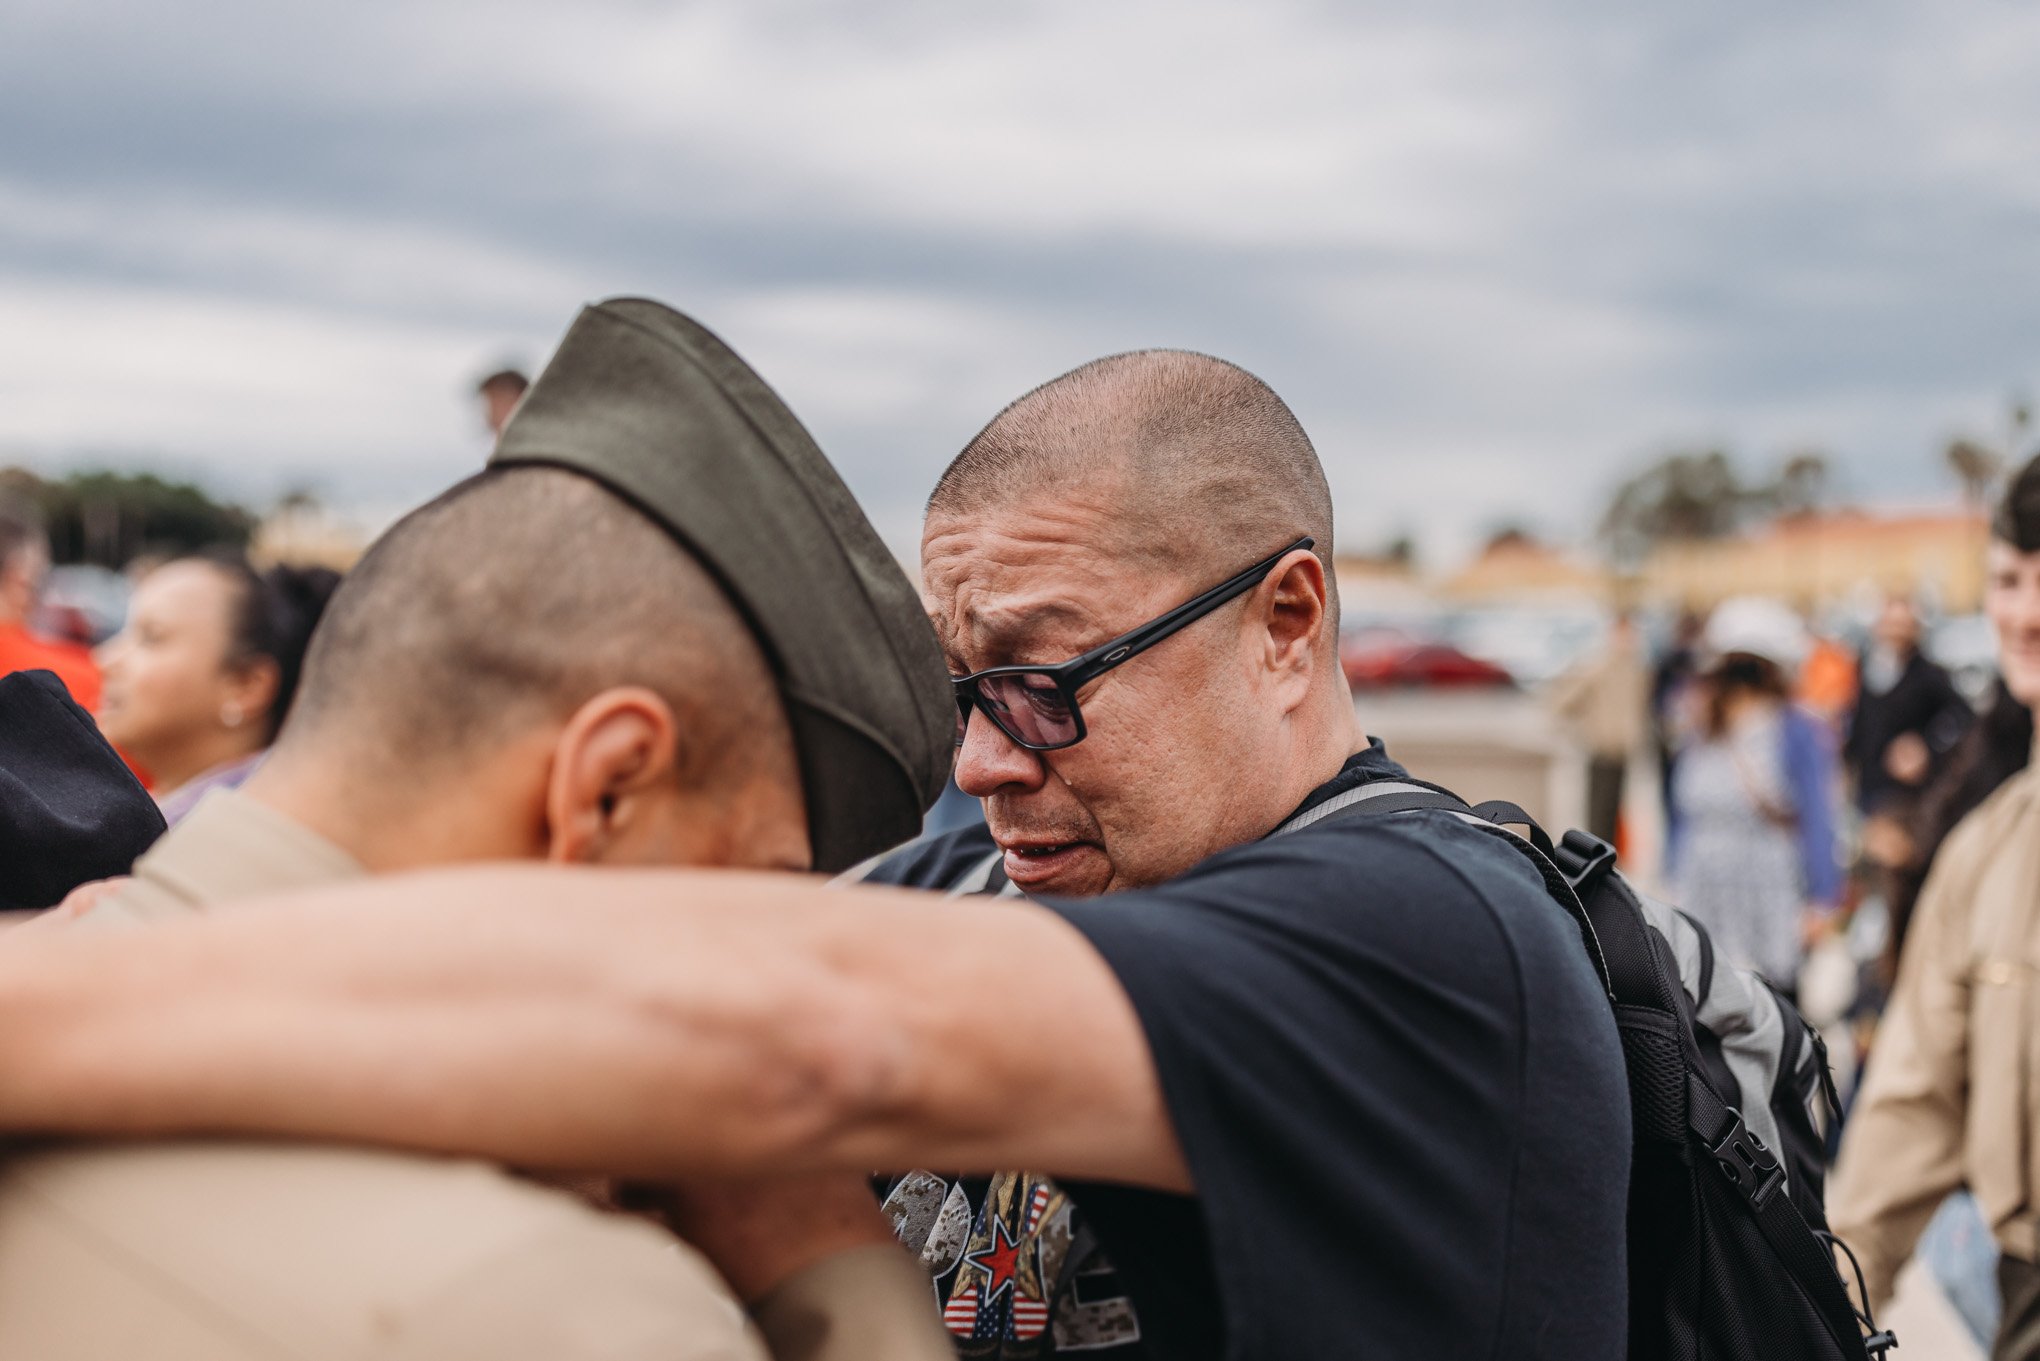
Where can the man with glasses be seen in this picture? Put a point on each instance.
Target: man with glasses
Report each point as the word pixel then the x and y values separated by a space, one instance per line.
pixel 1308 998
pixel 1283 1083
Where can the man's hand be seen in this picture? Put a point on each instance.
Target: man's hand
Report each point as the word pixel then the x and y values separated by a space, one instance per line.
pixel 760 1233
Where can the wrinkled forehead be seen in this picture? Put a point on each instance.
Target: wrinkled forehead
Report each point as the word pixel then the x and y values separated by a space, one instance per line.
pixel 1034 584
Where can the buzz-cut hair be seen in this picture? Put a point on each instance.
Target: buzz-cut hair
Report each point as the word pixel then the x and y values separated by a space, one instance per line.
pixel 1208 467
pixel 513 599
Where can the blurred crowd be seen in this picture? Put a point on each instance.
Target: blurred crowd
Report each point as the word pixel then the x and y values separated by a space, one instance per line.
pixel 199 675
pixel 1808 782
pixel 188 662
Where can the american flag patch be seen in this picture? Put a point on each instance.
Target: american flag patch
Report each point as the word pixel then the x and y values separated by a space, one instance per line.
pixel 1035 1206
pixel 1030 1318
pixel 959 1316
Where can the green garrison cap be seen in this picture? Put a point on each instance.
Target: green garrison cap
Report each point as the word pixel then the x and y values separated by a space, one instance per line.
pixel 651 405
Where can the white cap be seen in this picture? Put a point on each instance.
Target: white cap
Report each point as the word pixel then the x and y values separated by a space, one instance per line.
pixel 1759 627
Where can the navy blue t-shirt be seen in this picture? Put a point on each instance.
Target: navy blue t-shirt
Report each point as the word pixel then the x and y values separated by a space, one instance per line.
pixel 1399 1089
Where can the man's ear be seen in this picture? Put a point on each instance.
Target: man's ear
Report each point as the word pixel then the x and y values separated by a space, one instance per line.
pixel 1296 615
pixel 616 750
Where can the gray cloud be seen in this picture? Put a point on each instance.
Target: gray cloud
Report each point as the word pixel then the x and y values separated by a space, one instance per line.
pixel 1491 252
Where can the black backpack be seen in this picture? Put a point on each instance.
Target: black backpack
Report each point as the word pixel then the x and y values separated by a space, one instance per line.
pixel 1729 1256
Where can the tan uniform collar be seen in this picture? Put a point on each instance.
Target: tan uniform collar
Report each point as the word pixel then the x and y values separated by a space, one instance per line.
pixel 231 846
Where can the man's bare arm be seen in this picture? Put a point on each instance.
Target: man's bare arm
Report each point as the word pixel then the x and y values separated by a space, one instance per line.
pixel 646 1024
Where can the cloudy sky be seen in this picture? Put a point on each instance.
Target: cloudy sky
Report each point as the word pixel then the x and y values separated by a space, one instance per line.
pixel 1493 253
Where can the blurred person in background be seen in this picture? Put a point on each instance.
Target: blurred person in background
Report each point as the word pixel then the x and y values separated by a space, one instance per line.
pixel 1957 1245
pixel 201 676
pixel 24 564
pixel 1605 700
pixel 1907 716
pixel 1671 687
pixel 1826 682
pixel 500 392
pixel 1953 1086
pixel 1751 840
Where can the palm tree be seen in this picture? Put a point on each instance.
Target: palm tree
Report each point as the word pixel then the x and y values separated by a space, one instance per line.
pixel 1975 466
pixel 1802 485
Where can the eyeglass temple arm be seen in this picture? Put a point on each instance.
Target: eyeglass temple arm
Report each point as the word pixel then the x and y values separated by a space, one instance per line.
pixel 1127 645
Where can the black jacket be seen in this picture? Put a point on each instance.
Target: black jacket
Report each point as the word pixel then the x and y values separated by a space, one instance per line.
pixel 1924 701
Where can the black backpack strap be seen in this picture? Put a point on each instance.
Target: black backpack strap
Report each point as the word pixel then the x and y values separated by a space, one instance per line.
pixel 1404 795
pixel 1505 814
pixel 1378 796
pixel 1756 1172
pixel 1637 975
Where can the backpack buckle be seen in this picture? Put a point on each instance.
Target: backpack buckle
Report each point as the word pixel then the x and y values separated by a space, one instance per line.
pixel 1745 1161
pixel 1582 858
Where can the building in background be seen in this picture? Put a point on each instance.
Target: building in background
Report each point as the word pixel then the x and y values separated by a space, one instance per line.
pixel 304 533
pixel 1818 559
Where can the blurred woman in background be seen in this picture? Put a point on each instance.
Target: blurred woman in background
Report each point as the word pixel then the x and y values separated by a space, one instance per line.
pixel 1952 1092
pixel 1751 843
pixel 200 678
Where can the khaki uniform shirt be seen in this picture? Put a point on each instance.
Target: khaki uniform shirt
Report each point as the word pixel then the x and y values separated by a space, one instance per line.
pixel 1952 1094
pixel 239 1251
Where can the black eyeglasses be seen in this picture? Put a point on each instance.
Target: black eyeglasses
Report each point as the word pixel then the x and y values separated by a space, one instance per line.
pixel 1036 706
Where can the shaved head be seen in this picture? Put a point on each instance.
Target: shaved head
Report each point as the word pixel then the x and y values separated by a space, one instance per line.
pixel 1102 501
pixel 1209 468
pixel 508 602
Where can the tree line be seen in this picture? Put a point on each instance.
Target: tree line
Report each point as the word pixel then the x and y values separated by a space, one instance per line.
pixel 1706 494
pixel 111 518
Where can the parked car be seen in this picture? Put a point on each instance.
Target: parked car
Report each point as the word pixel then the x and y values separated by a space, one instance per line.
pixel 1378 658
pixel 1535 644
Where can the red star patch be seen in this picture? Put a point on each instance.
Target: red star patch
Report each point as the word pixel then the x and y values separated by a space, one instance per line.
pixel 999 1259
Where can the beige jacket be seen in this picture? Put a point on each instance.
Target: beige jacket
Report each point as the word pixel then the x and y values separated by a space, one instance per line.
pixel 236 1251
pixel 1952 1094
pixel 1606 700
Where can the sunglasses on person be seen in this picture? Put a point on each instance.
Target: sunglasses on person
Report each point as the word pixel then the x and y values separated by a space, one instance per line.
pixel 1037 707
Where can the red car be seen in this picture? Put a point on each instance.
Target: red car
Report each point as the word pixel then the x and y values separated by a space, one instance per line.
pixel 1379 658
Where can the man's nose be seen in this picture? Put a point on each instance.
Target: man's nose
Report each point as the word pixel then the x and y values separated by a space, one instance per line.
pixel 989 761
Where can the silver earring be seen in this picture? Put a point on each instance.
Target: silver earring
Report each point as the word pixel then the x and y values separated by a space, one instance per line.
pixel 230 714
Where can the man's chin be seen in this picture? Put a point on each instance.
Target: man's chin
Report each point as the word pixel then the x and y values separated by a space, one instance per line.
pixel 1077 870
